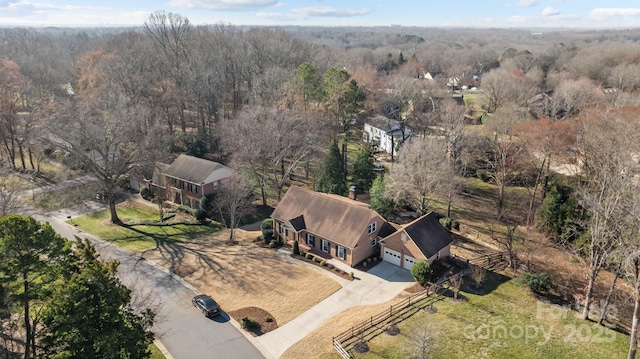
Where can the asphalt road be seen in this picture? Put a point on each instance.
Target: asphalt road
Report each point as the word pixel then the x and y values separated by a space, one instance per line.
pixel 181 328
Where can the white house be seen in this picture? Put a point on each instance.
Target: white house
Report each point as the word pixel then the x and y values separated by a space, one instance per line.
pixel 386 133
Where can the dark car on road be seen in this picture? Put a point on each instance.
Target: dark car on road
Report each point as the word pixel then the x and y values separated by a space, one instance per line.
pixel 206 304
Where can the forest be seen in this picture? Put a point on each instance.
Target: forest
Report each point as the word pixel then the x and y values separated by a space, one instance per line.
pixel 548 120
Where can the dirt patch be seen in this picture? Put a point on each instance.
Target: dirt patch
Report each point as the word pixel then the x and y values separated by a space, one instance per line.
pixel 266 321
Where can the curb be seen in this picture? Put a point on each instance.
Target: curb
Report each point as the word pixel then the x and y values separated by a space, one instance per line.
pixel 162 349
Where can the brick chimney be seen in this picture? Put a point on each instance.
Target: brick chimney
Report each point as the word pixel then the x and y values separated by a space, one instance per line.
pixel 352 192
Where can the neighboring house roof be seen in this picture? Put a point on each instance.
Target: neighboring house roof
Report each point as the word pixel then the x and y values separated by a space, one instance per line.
pixel 341 220
pixel 424 236
pixel 384 123
pixel 197 170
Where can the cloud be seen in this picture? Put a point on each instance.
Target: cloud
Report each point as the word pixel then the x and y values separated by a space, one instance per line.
pixel 606 13
pixel 278 16
pixel 549 11
pixel 316 11
pixel 226 5
pixel 524 3
pixel 326 11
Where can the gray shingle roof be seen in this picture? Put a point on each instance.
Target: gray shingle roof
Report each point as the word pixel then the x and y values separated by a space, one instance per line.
pixel 428 234
pixel 197 170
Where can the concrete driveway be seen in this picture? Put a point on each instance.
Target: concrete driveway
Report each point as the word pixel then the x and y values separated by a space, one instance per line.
pixel 380 284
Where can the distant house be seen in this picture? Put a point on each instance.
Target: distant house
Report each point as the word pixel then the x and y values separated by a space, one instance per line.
pixel 330 225
pixel 387 134
pixel 423 239
pixel 431 75
pixel 188 179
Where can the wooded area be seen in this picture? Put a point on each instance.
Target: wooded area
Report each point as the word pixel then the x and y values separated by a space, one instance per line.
pixel 555 115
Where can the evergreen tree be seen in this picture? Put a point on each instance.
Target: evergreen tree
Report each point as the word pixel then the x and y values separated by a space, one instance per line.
pixel 559 215
pixel 378 201
pixel 363 174
pixel 309 82
pixel 90 315
pixel 332 177
pixel 31 255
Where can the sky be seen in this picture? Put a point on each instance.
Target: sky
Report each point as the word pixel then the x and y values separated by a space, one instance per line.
pixel 595 14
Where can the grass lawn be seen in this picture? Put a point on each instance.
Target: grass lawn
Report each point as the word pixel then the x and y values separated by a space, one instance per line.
pixel 505 323
pixel 155 352
pixel 139 237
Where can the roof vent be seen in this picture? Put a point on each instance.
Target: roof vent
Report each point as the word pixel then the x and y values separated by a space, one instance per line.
pixel 403 236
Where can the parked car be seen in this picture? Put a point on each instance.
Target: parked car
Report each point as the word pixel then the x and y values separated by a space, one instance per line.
pixel 206 305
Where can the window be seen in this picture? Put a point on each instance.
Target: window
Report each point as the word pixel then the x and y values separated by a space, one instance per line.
pixel 325 246
pixel 215 185
pixel 185 185
pixel 194 188
pixel 196 204
pixel 311 240
pixel 374 241
pixel 342 252
pixel 438 255
pixel 365 136
pixel 280 228
pixel 372 227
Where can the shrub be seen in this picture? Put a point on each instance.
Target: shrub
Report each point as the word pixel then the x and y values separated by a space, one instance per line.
pixel 272 244
pixel 268 319
pixel 323 263
pixel 267 230
pixel 446 222
pixel 316 259
pixel 308 256
pixel 296 248
pixel 538 282
pixel 421 272
pixel 201 215
pixel 248 323
pixel 145 193
pixel 375 259
pixel 364 264
pixel 455 225
pixel 351 274
pixel 267 223
pixel 267 234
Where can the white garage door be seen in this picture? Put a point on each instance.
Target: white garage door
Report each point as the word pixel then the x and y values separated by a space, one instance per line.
pixel 391 256
pixel 408 262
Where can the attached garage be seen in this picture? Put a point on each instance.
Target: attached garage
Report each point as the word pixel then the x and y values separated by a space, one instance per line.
pixel 408 262
pixel 392 257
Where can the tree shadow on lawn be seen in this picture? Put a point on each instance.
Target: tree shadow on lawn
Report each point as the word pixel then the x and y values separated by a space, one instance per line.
pixel 491 283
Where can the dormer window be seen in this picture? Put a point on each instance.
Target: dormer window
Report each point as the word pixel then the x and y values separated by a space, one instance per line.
pixel 371 228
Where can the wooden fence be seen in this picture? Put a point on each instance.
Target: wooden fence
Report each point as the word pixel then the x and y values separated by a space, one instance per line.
pixel 379 323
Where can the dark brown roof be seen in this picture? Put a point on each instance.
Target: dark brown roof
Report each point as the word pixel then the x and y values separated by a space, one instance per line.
pixel 197 170
pixel 338 219
pixel 428 234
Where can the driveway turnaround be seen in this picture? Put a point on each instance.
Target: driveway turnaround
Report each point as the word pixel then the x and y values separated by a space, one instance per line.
pixel 182 330
pixel 380 284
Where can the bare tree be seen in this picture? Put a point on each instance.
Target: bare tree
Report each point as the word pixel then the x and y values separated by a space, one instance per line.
pixel 233 201
pixel 9 194
pixel 417 177
pixel 478 274
pixel 455 282
pixel 421 339
pixel 263 145
pixel 608 164
pixel 507 239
